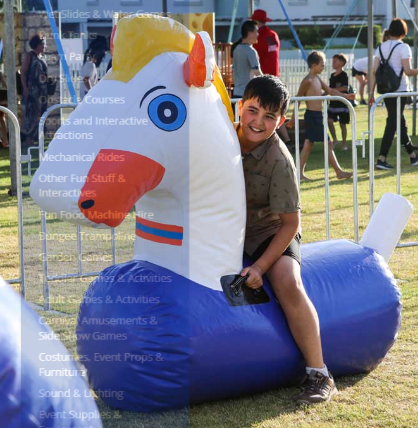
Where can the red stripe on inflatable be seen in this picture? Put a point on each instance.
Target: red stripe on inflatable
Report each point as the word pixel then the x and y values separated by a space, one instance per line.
pixel 160 226
pixel 159 239
pixel 111 41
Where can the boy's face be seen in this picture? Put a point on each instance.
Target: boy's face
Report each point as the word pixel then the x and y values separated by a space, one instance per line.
pixel 253 36
pixel 319 67
pixel 257 123
pixel 337 63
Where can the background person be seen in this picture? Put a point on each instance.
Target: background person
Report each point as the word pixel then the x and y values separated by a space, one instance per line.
pixel 268 44
pixel 313 86
pixel 400 61
pixel 338 111
pixel 361 68
pixel 34 76
pixel 246 64
pixel 88 73
pixel 359 71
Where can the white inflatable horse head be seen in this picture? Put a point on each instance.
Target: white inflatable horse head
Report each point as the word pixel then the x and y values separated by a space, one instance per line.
pixel 156 131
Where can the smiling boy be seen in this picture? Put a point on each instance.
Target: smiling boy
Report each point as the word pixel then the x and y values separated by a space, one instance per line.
pixel 273 237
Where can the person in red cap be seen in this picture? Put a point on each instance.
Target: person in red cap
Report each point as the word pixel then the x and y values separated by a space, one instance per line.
pixel 268 45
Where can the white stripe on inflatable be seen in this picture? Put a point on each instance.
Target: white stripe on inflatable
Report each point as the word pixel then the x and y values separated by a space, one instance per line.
pixel 387 224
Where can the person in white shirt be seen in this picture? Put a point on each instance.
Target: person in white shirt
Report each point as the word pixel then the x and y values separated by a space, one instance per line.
pixel 359 71
pixel 400 61
pixel 88 72
pixel 361 68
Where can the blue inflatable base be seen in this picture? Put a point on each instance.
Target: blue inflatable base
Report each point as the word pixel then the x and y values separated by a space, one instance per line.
pixel 40 385
pixel 163 341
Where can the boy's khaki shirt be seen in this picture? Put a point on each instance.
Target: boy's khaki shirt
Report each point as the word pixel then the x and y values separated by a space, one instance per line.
pixel 271 189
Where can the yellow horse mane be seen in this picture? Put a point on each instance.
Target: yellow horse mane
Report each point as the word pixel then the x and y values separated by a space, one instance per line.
pixel 141 38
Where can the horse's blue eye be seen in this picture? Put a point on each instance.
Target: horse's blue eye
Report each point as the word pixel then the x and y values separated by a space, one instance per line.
pixel 167 112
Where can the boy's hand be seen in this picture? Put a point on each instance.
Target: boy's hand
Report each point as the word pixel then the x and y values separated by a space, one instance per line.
pixel 371 100
pixel 351 97
pixel 255 280
pixel 291 123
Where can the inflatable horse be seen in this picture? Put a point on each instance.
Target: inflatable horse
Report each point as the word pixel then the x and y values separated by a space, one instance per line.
pixel 170 327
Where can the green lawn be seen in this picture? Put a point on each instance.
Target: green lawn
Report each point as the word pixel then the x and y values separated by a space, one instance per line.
pixel 387 397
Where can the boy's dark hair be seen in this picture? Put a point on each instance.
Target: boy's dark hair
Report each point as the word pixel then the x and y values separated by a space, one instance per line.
pixel 35 41
pixel 315 57
pixel 341 57
pixel 270 92
pixel 398 28
pixel 248 27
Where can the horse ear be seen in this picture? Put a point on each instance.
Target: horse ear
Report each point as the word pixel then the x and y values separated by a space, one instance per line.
pixel 199 68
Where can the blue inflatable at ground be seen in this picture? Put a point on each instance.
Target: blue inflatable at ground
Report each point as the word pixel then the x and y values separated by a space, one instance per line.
pixel 40 385
pixel 162 341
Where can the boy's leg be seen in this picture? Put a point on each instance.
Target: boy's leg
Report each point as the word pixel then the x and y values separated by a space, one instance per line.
pixel 302 318
pixel 344 135
pixel 334 163
pixel 332 130
pixel 301 315
pixel 361 80
pixel 304 156
pixel 3 131
pixel 284 135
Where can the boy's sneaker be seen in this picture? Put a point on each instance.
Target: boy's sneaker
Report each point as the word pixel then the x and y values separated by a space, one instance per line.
pixel 383 165
pixel 317 388
pixel 414 161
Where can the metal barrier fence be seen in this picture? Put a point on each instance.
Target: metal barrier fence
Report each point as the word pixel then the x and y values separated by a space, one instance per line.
pixel 46 278
pixel 326 99
pixel 398 96
pixel 17 147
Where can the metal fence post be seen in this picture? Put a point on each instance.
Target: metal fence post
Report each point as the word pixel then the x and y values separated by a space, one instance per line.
pixel 18 168
pixel 45 284
pixel 350 107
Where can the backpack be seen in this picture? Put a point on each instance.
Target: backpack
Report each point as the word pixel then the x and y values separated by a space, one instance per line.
pixel 386 78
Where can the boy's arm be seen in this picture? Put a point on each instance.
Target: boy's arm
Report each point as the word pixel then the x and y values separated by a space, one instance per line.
pixel 254 63
pixel 341 89
pixel 284 199
pixel 331 91
pixel 290 223
pixel 303 89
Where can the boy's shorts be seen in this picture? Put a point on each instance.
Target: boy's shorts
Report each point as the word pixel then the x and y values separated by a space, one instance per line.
pixel 336 115
pixel 314 126
pixel 293 250
pixel 355 72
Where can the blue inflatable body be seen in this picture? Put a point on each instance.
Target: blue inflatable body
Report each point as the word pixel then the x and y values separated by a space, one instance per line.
pixel 165 341
pixel 32 393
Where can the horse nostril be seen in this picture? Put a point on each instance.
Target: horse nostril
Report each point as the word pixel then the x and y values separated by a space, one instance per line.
pixel 87 204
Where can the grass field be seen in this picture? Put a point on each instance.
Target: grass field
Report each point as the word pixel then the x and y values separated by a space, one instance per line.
pixel 385 398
